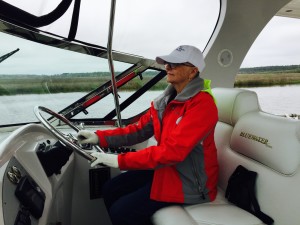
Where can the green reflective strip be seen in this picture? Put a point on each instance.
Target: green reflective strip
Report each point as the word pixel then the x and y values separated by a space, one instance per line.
pixel 207 89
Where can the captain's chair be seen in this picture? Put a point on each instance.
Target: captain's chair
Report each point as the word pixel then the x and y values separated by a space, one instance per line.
pixel 239 133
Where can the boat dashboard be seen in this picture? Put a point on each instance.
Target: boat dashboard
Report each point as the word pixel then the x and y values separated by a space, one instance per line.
pixel 42 181
pixel 27 183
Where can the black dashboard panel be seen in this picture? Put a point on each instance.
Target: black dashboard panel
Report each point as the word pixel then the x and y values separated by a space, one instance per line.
pixel 11 204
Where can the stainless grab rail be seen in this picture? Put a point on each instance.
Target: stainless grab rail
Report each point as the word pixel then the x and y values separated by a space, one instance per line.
pixel 110 61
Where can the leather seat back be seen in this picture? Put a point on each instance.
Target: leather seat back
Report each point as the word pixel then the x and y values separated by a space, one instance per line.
pixel 264 143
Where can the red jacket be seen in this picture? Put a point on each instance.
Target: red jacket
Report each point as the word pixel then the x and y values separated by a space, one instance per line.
pixel 185 157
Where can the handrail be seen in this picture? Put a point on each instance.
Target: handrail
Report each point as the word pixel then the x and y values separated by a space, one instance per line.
pixel 110 61
pixel 97 94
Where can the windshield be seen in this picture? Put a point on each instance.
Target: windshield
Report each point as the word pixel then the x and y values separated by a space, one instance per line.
pixel 42 75
pixel 139 29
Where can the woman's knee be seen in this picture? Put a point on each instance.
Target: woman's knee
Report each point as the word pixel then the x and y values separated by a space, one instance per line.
pixel 118 214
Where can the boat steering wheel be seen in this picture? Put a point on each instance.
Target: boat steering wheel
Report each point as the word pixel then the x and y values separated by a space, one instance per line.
pixel 68 139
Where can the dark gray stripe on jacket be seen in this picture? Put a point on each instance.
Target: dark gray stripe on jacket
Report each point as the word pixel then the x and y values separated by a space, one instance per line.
pixel 130 139
pixel 193 177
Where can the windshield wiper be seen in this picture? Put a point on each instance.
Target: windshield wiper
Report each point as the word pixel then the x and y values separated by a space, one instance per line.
pixel 2 58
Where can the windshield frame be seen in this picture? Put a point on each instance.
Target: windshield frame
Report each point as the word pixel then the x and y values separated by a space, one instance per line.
pixel 30 31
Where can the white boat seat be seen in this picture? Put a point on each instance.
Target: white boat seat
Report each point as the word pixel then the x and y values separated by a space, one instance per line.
pixel 261 142
pixel 213 213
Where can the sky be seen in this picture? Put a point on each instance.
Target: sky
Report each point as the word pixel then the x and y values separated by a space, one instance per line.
pixel 282 49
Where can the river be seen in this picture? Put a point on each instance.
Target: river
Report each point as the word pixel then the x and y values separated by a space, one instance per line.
pixel 278 100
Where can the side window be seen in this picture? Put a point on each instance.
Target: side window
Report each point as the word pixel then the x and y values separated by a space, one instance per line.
pixel 272 67
pixel 106 105
pixel 143 102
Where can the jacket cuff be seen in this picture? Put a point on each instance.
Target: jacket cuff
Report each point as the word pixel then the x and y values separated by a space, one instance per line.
pixel 102 141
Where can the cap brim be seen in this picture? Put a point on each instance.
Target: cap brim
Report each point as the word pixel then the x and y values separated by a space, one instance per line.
pixel 168 58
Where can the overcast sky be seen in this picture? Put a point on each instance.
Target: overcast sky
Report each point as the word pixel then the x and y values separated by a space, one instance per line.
pixel 282 49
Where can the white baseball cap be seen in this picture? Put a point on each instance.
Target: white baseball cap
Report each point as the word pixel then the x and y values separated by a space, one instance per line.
pixel 184 54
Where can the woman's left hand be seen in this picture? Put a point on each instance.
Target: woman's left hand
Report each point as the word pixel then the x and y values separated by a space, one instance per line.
pixel 106 159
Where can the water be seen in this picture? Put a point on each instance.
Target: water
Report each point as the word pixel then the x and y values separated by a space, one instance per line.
pixel 19 108
pixel 278 100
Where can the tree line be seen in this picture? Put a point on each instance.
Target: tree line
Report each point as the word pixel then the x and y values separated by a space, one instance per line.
pixel 271 69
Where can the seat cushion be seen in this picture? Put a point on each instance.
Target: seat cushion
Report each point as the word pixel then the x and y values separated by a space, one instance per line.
pixel 218 212
pixel 205 214
pixel 172 215
pixel 225 214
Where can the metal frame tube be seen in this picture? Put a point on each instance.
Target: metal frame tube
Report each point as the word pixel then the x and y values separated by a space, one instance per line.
pixel 110 61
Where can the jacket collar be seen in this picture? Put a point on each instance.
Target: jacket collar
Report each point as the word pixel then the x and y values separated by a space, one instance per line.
pixel 190 90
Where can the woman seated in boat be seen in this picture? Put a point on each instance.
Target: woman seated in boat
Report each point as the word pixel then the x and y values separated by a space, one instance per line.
pixel 182 168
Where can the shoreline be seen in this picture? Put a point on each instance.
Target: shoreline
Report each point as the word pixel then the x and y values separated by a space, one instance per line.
pixel 41 84
pixel 266 79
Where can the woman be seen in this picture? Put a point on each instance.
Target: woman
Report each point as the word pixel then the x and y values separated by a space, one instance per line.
pixel 182 168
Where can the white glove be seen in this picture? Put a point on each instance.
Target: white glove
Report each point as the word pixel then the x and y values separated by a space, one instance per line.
pixel 107 159
pixel 87 137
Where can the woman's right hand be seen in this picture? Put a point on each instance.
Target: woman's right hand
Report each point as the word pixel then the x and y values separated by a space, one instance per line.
pixel 87 137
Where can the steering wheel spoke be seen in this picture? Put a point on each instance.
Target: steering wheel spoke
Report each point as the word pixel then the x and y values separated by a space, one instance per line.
pixel 68 139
